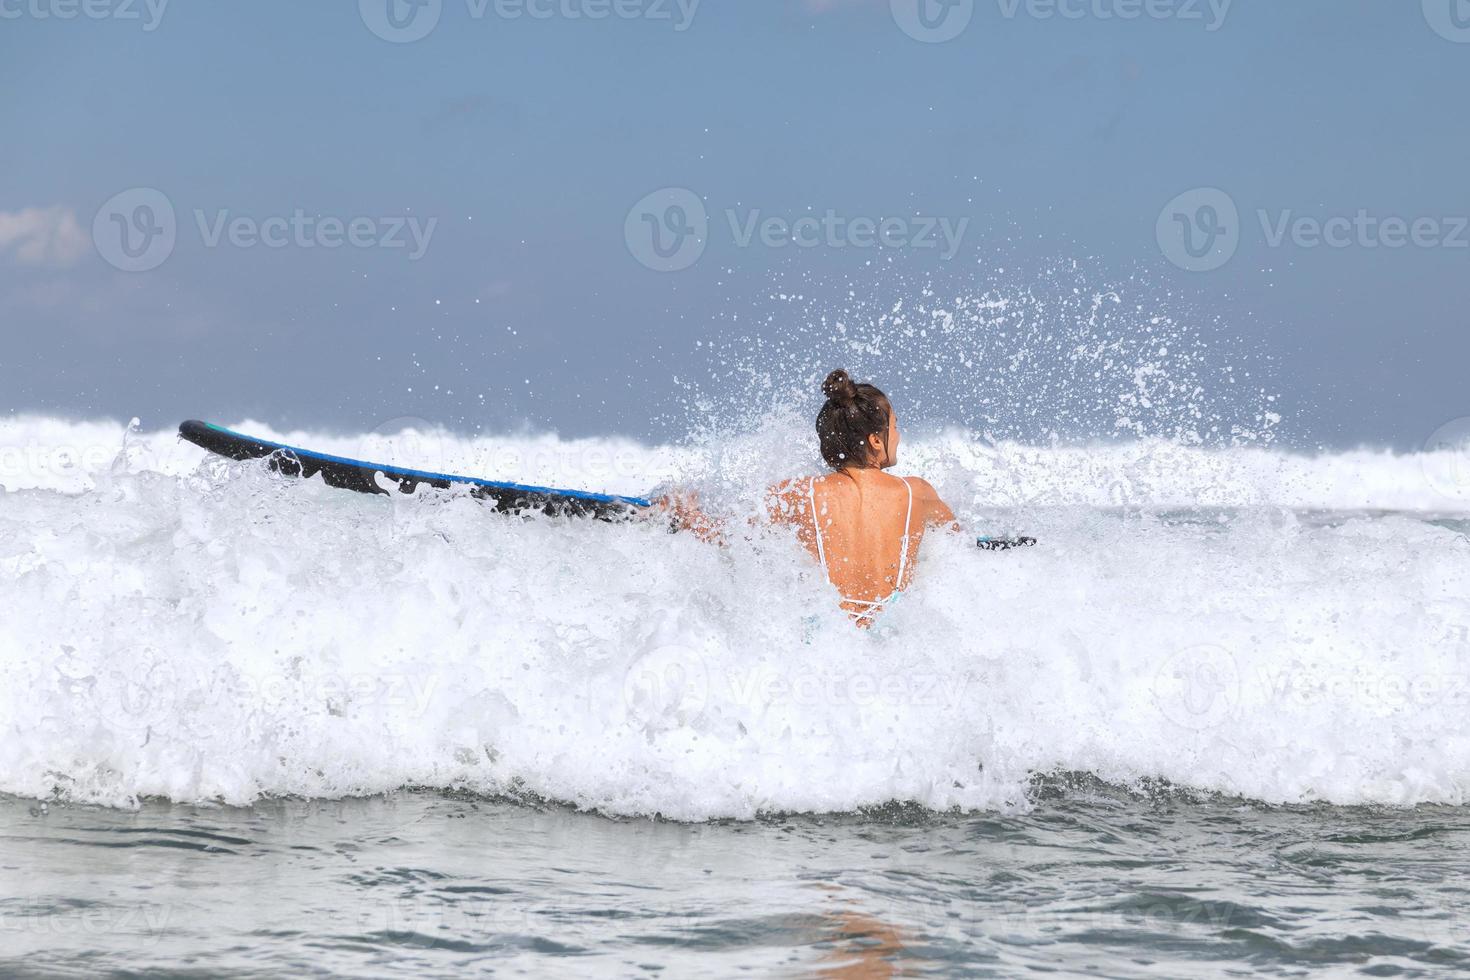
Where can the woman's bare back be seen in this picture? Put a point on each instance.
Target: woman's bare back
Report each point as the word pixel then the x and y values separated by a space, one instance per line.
pixel 864 526
pixel 867 526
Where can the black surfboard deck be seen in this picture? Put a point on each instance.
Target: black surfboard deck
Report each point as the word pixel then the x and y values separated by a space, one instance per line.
pixel 364 477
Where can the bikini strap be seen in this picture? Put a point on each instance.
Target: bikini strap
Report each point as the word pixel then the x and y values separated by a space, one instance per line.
pixel 903 557
pixel 811 492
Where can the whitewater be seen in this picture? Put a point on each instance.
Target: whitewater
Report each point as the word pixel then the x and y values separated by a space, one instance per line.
pixel 1247 621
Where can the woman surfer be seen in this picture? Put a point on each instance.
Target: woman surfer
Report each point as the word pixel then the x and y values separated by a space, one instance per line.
pixel 863 525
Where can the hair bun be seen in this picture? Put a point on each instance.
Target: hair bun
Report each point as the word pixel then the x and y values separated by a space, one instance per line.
pixel 840 387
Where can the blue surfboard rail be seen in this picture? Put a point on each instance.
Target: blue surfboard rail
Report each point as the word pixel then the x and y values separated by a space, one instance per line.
pixel 237 445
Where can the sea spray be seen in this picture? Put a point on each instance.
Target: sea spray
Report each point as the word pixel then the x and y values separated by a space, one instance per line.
pixel 212 631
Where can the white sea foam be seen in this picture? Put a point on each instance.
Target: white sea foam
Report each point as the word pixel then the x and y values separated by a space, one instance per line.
pixel 183 628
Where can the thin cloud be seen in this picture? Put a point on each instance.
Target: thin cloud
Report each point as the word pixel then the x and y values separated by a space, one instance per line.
pixel 50 237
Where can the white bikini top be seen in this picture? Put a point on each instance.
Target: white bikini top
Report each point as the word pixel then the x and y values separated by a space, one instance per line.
pixel 870 608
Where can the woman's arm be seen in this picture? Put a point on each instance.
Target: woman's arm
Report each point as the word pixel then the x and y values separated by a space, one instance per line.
pixel 683 510
pixel 936 511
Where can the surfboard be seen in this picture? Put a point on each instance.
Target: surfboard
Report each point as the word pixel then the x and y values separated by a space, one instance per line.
pixel 364 477
pixel 361 476
pixel 1005 543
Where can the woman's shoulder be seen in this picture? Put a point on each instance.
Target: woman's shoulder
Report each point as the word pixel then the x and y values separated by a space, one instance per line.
pixel 935 510
pixel 923 489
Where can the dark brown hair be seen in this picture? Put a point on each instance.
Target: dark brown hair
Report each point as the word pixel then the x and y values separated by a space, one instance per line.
pixel 852 413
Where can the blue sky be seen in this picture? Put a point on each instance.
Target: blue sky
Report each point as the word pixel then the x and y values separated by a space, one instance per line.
pixel 516 146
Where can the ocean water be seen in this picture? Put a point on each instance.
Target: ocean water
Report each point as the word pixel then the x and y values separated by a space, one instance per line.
pixel 1212 724
pixel 1091 881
